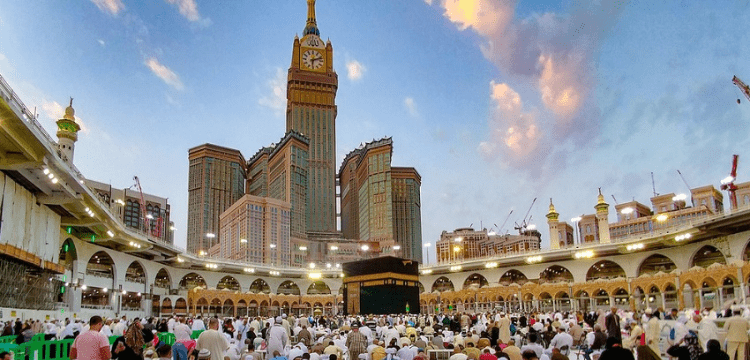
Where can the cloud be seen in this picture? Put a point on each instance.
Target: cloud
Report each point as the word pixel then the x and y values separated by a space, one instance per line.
pixel 554 53
pixel 189 9
pixel 101 42
pixel 411 106
pixel 54 111
pixel 113 7
pixel 514 133
pixel 164 73
pixel 276 100
pixel 355 70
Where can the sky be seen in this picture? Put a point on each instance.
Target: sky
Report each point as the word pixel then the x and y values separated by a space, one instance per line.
pixel 495 103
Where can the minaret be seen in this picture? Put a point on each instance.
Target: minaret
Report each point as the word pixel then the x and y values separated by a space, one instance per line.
pixel 602 218
pixel 552 219
pixel 67 134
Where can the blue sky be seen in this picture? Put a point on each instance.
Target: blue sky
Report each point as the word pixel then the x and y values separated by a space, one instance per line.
pixel 495 103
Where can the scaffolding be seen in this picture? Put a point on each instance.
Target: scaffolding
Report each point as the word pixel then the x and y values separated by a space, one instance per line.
pixel 24 286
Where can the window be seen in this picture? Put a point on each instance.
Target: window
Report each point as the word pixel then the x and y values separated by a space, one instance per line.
pixel 132 214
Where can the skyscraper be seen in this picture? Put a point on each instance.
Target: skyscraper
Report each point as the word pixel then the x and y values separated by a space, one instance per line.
pixel 380 204
pixel 311 111
pixel 216 180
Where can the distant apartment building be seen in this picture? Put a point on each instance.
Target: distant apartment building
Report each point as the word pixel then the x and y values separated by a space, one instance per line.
pixel 126 204
pixel 216 180
pixel 467 244
pixel 256 230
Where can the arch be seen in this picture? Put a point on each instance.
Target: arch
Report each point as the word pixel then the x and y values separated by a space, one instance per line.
pixel 260 286
pixel 745 254
pixel 442 284
pixel 555 273
pixel 513 276
pixel 180 306
pixel 319 287
pixel 706 256
pixel 135 273
pixel 288 287
pixel 475 279
pixel 101 265
pixel 201 306
pixel 728 287
pixel 191 281
pixel 621 296
pixel 601 298
pixel 605 269
pixel 419 284
pixel 228 308
pixel 242 308
pixel 708 283
pixel 68 254
pixel 166 305
pixel 215 307
pixel 163 279
pixel 228 282
pixel 656 263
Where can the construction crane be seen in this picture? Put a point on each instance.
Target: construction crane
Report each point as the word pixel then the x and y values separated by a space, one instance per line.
pixel 692 201
pixel 500 229
pixel 743 87
pixel 728 183
pixel 143 203
pixel 523 225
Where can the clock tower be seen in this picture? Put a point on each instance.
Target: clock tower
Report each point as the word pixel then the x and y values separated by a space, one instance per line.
pixel 311 111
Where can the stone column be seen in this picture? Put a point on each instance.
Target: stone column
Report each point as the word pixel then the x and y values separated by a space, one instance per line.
pixel 663 301
pixel 700 299
pixel 720 291
pixel 146 305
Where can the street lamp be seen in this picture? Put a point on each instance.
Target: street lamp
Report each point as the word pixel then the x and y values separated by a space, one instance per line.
pixel 576 230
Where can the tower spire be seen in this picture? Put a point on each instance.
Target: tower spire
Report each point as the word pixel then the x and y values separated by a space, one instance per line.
pixel 312 26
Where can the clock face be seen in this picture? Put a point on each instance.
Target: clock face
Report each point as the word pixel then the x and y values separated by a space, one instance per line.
pixel 312 59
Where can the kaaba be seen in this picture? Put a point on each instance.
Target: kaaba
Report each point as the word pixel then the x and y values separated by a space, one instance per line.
pixel 384 285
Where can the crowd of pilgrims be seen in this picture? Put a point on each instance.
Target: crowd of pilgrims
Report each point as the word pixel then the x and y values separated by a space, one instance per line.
pixel 616 334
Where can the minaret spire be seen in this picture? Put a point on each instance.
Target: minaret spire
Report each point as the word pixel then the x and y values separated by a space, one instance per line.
pixel 67 134
pixel 312 26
